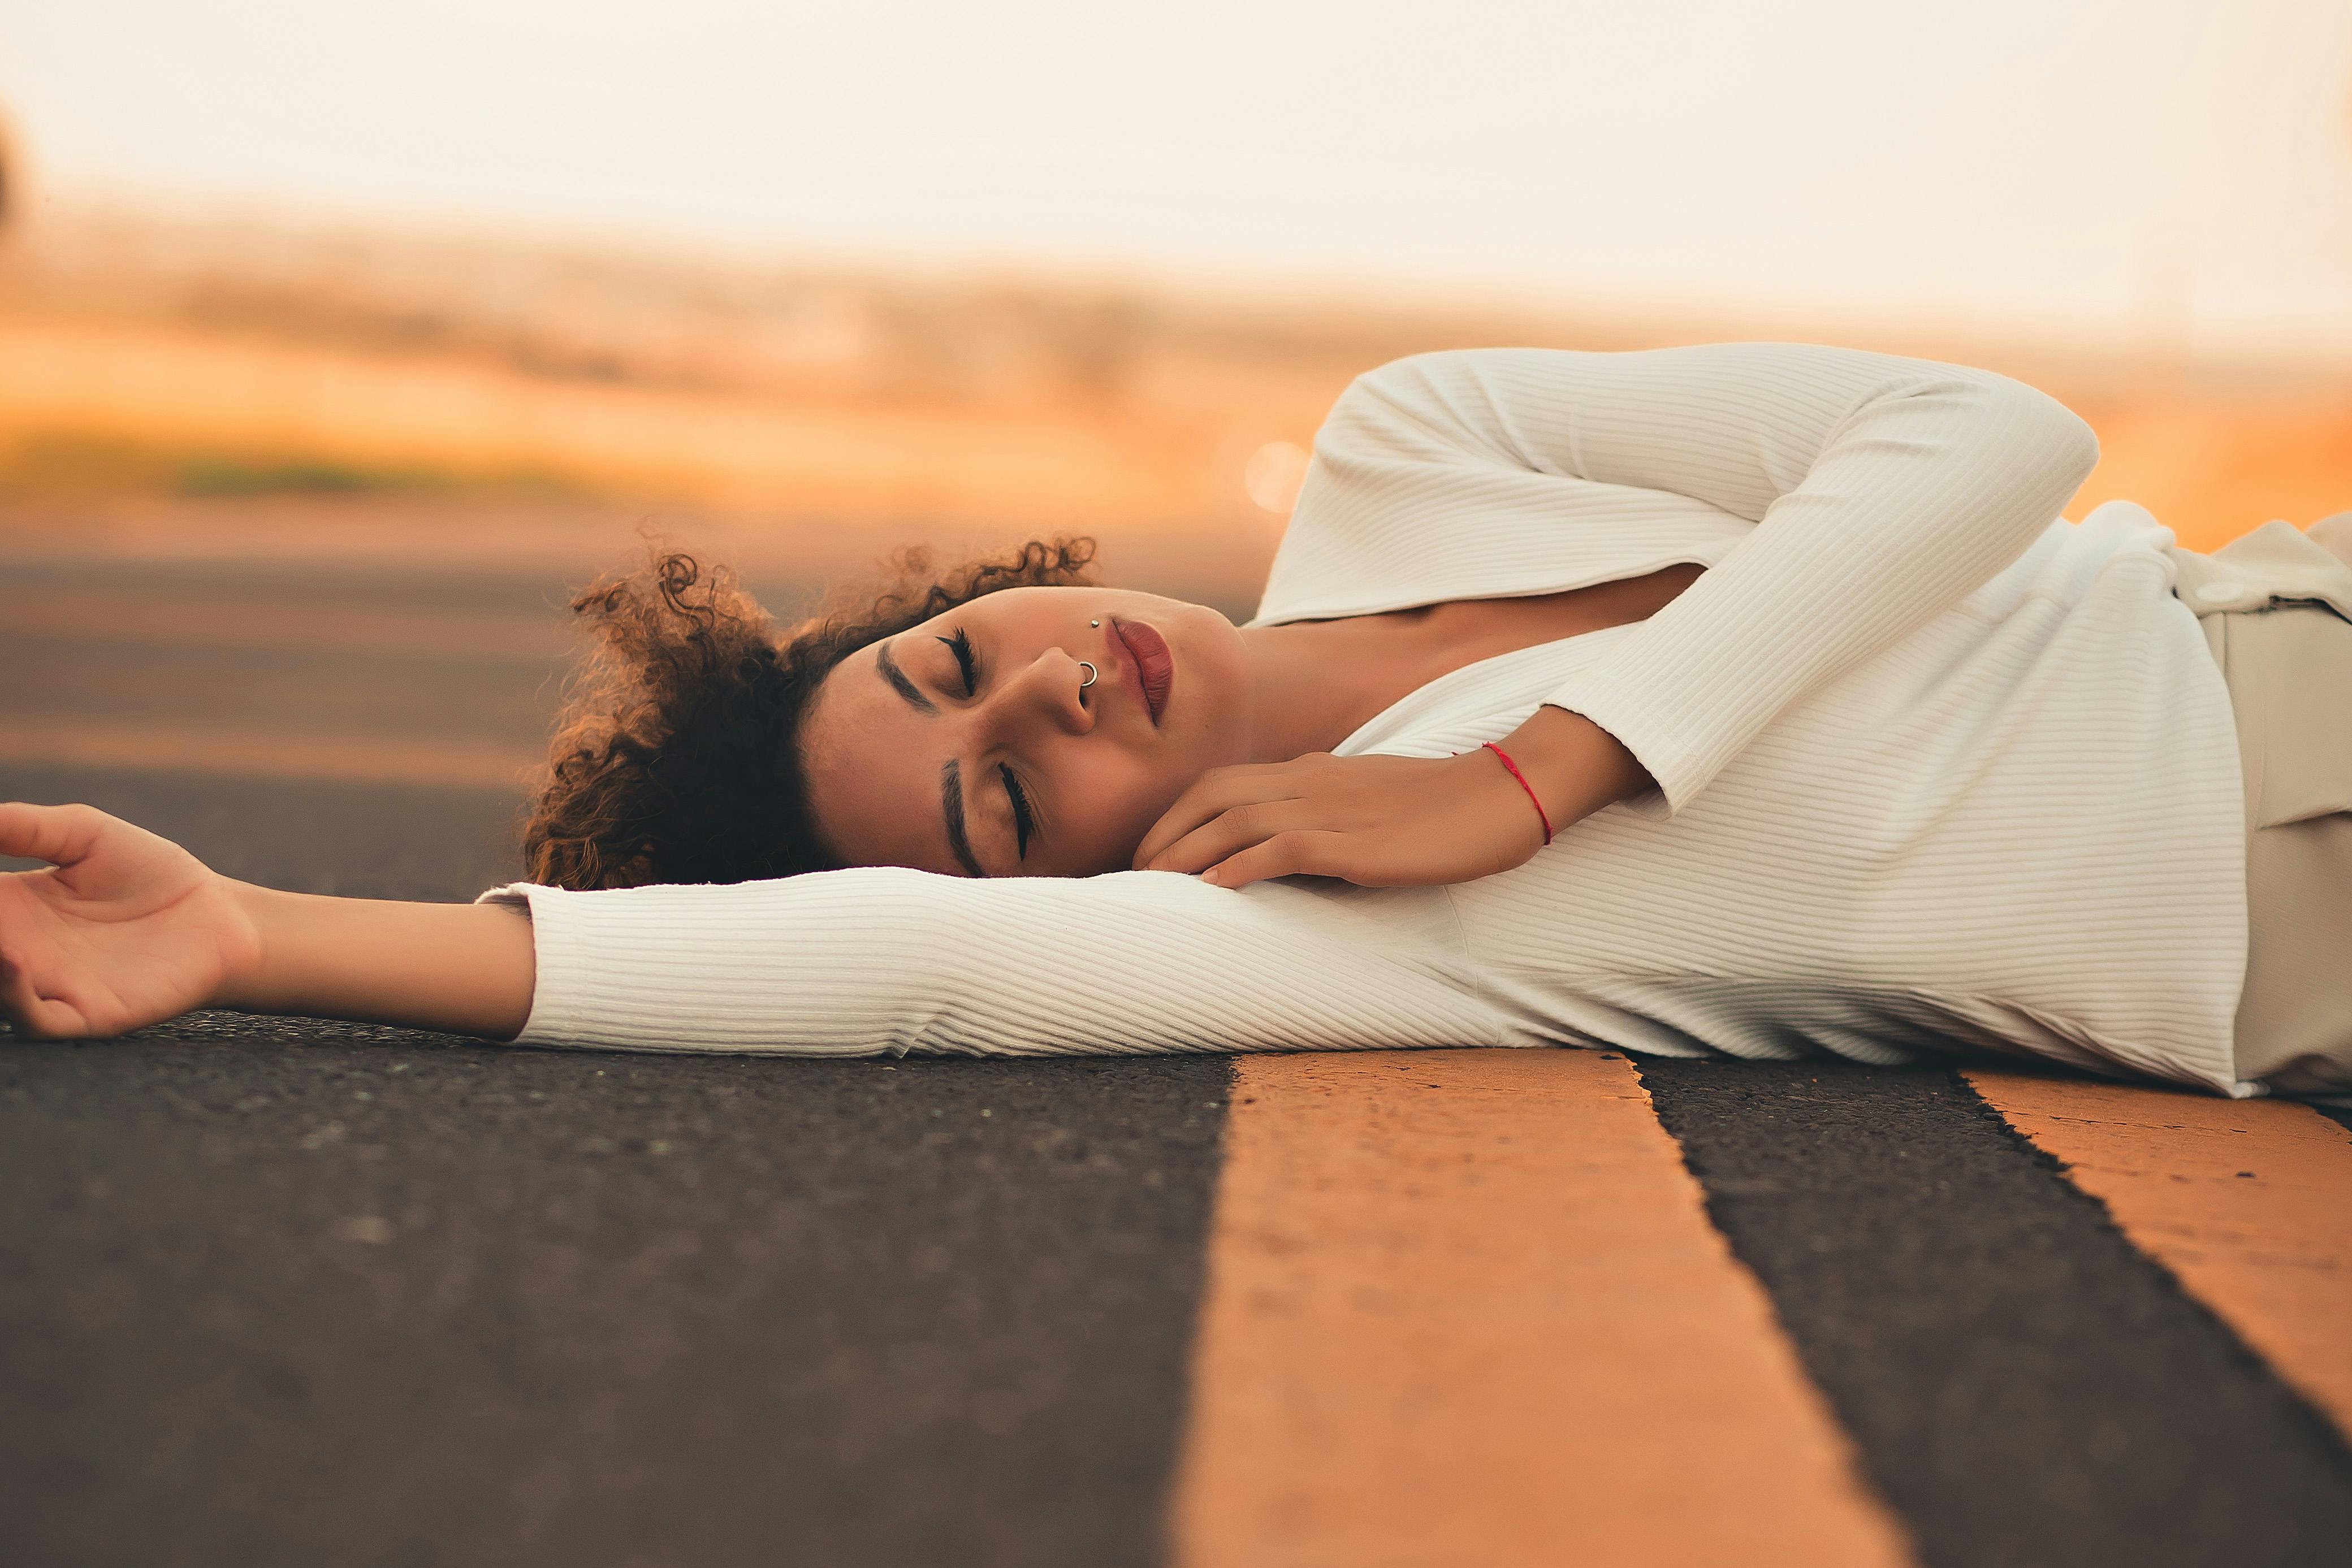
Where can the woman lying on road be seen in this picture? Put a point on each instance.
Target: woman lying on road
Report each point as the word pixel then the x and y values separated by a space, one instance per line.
pixel 1751 698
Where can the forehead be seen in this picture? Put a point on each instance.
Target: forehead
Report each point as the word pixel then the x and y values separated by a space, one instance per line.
pixel 857 704
pixel 873 768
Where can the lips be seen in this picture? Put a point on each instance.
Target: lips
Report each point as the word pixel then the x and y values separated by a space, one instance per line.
pixel 1155 666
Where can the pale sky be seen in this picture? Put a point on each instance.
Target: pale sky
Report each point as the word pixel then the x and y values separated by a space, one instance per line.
pixel 2099 168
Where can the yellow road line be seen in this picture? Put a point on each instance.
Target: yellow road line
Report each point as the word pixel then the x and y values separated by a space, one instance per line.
pixel 1466 1307
pixel 273 754
pixel 2247 1202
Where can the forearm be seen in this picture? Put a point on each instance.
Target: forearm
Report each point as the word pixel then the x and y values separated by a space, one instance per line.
pixel 465 967
pixel 1574 765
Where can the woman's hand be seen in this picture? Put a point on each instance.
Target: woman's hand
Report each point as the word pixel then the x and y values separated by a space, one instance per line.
pixel 1393 821
pixel 129 929
pixel 125 930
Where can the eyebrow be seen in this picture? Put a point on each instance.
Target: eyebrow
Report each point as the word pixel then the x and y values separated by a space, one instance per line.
pixel 951 808
pixel 898 681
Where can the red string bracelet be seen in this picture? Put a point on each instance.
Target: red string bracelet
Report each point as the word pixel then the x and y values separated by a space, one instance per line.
pixel 1541 815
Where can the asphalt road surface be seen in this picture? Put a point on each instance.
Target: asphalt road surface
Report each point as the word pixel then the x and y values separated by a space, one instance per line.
pixel 279 1291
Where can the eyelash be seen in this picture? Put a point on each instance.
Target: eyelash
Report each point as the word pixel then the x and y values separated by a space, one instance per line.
pixel 962 644
pixel 1023 823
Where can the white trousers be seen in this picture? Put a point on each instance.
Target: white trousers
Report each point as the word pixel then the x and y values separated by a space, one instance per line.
pixel 2276 608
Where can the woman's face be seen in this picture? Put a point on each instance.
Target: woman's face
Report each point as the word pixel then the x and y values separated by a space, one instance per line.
pixel 970 746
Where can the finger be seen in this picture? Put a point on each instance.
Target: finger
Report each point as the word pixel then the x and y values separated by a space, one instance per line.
pixel 32 1015
pixel 1214 792
pixel 58 834
pixel 1235 830
pixel 1211 796
pixel 1304 852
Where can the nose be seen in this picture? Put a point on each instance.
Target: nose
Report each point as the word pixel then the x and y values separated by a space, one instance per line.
pixel 1054 688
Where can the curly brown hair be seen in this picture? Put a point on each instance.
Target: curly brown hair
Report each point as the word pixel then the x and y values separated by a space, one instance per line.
pixel 677 758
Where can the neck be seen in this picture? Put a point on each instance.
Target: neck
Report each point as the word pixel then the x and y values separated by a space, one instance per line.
pixel 1307 690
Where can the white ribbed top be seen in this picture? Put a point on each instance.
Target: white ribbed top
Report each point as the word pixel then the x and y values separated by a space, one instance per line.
pixel 1937 770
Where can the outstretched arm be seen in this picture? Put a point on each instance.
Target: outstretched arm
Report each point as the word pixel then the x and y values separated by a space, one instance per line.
pixel 126 929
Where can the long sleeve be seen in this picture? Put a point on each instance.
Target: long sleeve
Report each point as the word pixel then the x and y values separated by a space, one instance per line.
pixel 884 959
pixel 1882 492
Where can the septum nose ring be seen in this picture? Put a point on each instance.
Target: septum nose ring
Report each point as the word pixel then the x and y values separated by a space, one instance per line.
pixel 1092 675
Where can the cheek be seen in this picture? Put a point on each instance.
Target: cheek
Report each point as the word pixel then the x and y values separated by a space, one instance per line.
pixel 1113 803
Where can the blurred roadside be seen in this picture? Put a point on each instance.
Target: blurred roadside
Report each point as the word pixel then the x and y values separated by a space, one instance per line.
pixel 274 385
pixel 282 499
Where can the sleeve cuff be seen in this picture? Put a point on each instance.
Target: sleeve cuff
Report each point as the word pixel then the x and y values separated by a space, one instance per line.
pixel 522 895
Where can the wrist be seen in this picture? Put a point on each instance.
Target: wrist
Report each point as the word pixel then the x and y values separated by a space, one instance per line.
pixel 1519 784
pixel 246 969
pixel 1572 766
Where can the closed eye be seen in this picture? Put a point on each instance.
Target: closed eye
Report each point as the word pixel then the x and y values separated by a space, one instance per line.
pixel 962 646
pixel 1024 824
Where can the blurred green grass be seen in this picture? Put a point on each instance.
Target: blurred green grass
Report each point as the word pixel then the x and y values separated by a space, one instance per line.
pixel 50 464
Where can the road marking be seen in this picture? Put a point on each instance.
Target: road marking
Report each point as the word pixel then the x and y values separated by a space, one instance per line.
pixel 1467 1307
pixel 273 754
pixel 2247 1203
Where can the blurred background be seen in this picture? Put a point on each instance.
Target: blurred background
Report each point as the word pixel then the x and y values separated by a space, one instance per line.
pixel 336 341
